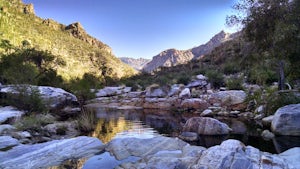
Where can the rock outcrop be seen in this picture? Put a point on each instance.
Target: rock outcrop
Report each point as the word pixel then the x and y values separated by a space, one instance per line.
pixel 54 98
pixel 168 58
pixel 169 153
pixel 78 31
pixel 173 57
pixel 137 64
pixel 286 120
pixel 51 153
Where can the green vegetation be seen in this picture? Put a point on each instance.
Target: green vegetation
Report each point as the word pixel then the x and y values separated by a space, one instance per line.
pixel 87 121
pixel 18 29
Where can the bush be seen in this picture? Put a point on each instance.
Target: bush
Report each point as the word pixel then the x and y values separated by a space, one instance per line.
pixel 215 78
pixel 86 121
pixel 25 98
pixel 280 99
pixel 234 83
pixel 33 122
pixel 184 79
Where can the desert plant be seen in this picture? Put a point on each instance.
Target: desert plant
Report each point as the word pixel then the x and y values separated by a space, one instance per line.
pixel 87 120
pixel 25 98
pixel 234 83
pixel 215 78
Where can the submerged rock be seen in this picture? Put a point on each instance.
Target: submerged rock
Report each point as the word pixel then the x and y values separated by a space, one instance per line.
pixel 286 120
pixel 50 153
pixel 206 126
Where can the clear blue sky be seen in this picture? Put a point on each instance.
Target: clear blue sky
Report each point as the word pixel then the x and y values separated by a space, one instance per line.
pixel 141 28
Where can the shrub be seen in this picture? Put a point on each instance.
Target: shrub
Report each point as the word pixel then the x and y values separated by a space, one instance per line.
pixel 33 122
pixel 281 98
pixel 235 83
pixel 184 79
pixel 87 120
pixel 215 78
pixel 25 98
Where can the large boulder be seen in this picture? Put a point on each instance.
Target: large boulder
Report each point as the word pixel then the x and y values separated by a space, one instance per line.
pixel 194 103
pixel 9 112
pixel 185 93
pixel 156 153
pixel 51 153
pixel 206 126
pixel 286 120
pixel 230 97
pixel 54 98
pixel 156 91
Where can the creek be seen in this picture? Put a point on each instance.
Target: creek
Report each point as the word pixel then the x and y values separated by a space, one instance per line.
pixel 115 123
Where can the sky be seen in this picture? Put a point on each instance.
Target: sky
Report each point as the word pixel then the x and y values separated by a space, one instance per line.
pixel 142 28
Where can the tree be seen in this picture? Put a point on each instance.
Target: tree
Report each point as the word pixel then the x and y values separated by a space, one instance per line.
pixel 272 26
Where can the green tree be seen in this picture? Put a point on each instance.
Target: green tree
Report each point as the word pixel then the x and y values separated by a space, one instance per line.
pixel 272 26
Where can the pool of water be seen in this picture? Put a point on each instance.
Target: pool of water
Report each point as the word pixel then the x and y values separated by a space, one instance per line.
pixel 113 123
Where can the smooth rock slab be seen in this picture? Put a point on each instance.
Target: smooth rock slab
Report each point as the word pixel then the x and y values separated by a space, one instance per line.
pixel 230 97
pixel 7 142
pixel 286 120
pixel 126 147
pixel 50 153
pixel 6 128
pixel 206 126
pixel 9 112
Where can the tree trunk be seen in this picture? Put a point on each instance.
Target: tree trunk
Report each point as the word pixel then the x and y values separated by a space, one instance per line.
pixel 281 75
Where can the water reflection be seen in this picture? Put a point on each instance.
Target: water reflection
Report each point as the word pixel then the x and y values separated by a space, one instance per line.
pixel 119 124
pixel 115 123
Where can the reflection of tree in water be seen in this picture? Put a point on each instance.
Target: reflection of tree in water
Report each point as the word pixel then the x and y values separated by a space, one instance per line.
pixel 107 129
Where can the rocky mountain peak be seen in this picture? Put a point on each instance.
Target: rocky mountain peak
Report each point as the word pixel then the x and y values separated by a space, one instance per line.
pixel 137 64
pixel 172 57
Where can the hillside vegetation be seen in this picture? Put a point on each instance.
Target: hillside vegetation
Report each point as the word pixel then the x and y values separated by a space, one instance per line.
pixel 81 53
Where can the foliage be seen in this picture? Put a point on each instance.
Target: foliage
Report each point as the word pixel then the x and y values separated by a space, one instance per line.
pixel 87 121
pixel 234 83
pixel 82 87
pixel 273 27
pixel 20 30
pixel 28 66
pixel 215 78
pixel 33 123
pixel 280 99
pixel 25 98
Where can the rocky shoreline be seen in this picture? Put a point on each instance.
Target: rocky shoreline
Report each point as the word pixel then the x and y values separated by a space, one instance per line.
pixel 59 140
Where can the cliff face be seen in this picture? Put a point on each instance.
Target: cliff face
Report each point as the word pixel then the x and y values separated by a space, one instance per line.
pixel 137 64
pixel 168 58
pixel 174 57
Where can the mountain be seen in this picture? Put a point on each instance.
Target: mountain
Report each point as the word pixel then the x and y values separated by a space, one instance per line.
pixel 173 57
pixel 81 52
pixel 137 64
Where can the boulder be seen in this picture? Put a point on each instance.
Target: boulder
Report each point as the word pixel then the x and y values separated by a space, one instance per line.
pixel 207 112
pixel 206 126
pixel 155 91
pixel 292 156
pixel 175 90
pixel 197 83
pixel 54 98
pixel 286 120
pixel 266 134
pixel 229 98
pixel 185 93
pixel 194 103
pixel 231 154
pixel 112 91
pixel 51 153
pixel 9 112
pixel 6 128
pixel 7 142
pixel 266 121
